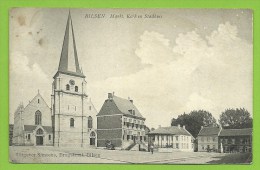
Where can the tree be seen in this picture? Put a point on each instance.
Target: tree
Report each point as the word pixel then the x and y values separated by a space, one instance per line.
pixel 235 119
pixel 194 120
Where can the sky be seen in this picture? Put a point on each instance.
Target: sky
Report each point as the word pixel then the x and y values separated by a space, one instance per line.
pixel 182 60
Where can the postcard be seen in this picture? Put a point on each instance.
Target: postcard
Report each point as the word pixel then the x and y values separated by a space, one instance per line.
pixel 134 86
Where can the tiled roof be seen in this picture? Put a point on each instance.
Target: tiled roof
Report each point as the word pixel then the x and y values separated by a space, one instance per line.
pixel 172 130
pixel 30 128
pixel 117 105
pixel 206 131
pixel 236 132
pixel 125 105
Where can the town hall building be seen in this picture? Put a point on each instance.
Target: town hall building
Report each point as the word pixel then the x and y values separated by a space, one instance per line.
pixel 120 123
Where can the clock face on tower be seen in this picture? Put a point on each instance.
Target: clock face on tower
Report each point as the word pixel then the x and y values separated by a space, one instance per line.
pixel 72 82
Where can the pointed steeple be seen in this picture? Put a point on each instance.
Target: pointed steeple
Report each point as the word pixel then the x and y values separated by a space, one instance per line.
pixel 69 63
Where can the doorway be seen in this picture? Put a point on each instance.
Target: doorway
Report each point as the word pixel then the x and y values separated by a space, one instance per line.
pixel 39 137
pixel 39 140
pixel 92 138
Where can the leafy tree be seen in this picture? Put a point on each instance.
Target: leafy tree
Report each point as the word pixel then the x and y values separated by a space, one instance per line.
pixel 194 120
pixel 236 119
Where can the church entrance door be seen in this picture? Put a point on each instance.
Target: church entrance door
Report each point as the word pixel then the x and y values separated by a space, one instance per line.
pixel 39 137
pixel 92 138
pixel 39 140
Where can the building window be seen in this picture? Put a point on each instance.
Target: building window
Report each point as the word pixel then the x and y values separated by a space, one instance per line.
pixel 38 100
pixel 89 107
pixel 90 122
pixel 39 132
pixel 233 141
pixel 49 137
pixel 29 136
pixel 177 145
pixel 226 141
pixel 177 138
pixel 67 87
pixel 38 118
pixel 208 139
pixel 162 137
pixel 76 88
pixel 202 147
pixel 71 122
pixel 213 139
pixel 202 139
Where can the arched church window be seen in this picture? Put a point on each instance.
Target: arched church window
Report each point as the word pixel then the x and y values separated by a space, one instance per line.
pixel 76 89
pixel 92 134
pixel 38 118
pixel 39 132
pixel 67 87
pixel 71 122
pixel 90 122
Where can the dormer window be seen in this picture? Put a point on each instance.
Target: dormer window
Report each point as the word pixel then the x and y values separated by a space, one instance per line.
pixel 67 87
pixel 132 111
pixel 76 89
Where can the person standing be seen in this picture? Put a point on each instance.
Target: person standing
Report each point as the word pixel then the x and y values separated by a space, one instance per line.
pixel 151 148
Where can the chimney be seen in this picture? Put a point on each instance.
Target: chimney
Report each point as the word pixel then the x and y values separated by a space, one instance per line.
pixel 183 127
pixel 159 126
pixel 179 126
pixel 131 100
pixel 110 96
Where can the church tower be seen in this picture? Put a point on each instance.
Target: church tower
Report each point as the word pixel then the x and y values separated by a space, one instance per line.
pixel 72 111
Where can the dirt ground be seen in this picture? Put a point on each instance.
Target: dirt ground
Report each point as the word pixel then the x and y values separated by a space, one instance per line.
pixel 25 154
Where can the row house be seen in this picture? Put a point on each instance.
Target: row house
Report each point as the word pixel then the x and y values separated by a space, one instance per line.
pixel 208 139
pixel 216 139
pixel 235 140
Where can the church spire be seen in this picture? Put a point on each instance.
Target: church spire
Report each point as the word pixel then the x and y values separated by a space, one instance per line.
pixel 69 63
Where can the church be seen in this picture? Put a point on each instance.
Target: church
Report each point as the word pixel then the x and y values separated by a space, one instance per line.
pixel 33 123
pixel 70 121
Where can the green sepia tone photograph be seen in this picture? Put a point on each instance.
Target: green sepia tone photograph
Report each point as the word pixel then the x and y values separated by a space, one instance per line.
pixel 129 85
pixel 142 86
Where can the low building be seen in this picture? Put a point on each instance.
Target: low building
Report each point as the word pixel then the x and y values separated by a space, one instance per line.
pixel 235 140
pixel 120 123
pixel 208 139
pixel 174 137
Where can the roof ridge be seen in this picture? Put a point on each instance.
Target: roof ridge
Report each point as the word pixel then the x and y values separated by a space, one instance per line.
pixel 38 94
